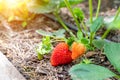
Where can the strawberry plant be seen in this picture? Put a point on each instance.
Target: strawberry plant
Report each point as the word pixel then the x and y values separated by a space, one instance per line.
pixel 96 72
pixel 44 47
pixel 72 47
pixel 88 71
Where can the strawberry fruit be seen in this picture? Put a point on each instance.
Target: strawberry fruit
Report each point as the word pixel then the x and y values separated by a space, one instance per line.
pixel 78 49
pixel 61 55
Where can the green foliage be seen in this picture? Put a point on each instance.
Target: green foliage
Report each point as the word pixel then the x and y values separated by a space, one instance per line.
pixel 86 61
pixel 115 24
pixel 58 34
pixel 80 38
pixel 112 51
pixel 99 43
pixel 85 41
pixel 41 6
pixel 72 2
pixel 44 33
pixel 70 40
pixel 79 14
pixel 96 24
pixel 111 23
pixel 90 72
pixel 79 35
pixel 44 47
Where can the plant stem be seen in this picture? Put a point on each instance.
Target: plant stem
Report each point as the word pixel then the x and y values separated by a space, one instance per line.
pixel 85 29
pixel 91 37
pixel 109 29
pixel 106 33
pixel 62 23
pixel 73 15
pixel 91 10
pixel 118 77
pixel 98 8
pixel 117 14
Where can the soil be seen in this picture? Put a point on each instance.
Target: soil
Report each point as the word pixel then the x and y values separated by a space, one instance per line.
pixel 18 44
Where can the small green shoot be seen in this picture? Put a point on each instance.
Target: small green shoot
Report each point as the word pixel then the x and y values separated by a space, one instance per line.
pixel 44 47
pixel 86 61
pixel 79 14
pixel 24 24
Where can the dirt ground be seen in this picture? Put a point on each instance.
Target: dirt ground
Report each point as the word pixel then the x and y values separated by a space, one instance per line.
pixel 18 44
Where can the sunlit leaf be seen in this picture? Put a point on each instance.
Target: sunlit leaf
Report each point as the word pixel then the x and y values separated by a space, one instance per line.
pixel 41 6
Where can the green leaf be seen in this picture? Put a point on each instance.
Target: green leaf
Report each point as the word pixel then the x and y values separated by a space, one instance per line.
pixel 40 56
pixel 87 61
pixel 96 24
pixel 72 2
pixel 90 72
pixel 59 33
pixel 41 6
pixel 44 47
pixel 47 6
pixel 79 35
pixel 44 33
pixel 115 24
pixel 89 47
pixel 99 43
pixel 112 51
pixel 70 40
pixel 79 13
pixel 85 41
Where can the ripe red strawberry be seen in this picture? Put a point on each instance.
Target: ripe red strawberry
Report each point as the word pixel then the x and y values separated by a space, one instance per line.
pixel 61 55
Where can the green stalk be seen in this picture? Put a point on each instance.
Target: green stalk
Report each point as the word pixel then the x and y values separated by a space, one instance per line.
pixel 62 23
pixel 109 29
pixel 91 10
pixel 117 14
pixel 91 37
pixel 85 29
pixel 117 77
pixel 106 33
pixel 98 8
pixel 73 15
